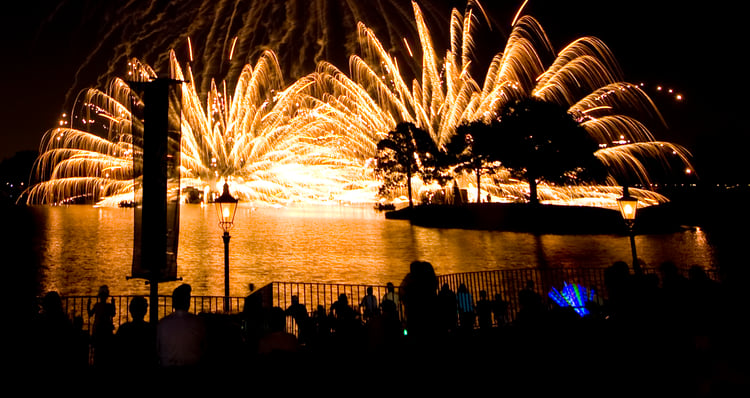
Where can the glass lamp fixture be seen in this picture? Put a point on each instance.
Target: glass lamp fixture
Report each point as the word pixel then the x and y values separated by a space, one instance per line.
pixel 628 206
pixel 226 206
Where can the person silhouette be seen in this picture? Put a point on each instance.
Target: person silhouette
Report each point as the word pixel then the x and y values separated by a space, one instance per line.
pixel 531 308
pixel 253 322
pixel 619 285
pixel 390 294
pixel 448 307
pixel 136 339
pixel 81 343
pixel 298 312
pixel 500 310
pixel 341 309
pixel 674 289
pixel 384 331
pixel 102 331
pixel 418 293
pixel 346 324
pixel 369 305
pixel 466 314
pixel 528 297
pixel 343 315
pixel 181 335
pixel 277 341
pixel 321 327
pixel 54 335
pixel 484 312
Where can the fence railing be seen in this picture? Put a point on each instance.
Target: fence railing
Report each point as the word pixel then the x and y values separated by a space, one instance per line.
pixel 317 296
pixel 77 307
pixel 499 285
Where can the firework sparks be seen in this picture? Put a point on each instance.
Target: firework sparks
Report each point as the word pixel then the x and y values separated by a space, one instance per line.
pixel 313 139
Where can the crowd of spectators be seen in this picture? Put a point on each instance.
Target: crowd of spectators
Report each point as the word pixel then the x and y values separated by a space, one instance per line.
pixel 665 330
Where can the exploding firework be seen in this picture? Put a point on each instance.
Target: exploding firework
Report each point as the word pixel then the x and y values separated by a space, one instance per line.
pixel 276 144
pixel 219 37
pixel 312 140
pixel 583 77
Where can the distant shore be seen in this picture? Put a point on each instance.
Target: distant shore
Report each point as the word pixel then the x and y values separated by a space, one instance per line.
pixel 549 219
pixel 688 208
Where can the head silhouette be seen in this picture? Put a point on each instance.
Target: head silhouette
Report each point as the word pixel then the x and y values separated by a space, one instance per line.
pixel 52 303
pixel 138 307
pixel 181 297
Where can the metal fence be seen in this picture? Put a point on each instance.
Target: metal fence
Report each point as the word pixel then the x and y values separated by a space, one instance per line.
pixel 77 307
pixel 501 285
pixel 320 295
pixel 498 285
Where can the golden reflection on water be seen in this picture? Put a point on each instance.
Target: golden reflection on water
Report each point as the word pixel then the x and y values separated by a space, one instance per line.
pixel 82 247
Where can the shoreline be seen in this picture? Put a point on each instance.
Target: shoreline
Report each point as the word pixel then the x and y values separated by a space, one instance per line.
pixel 542 218
pixel 688 208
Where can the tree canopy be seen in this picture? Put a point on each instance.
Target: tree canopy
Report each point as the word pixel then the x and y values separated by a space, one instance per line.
pixel 470 148
pixel 532 139
pixel 538 140
pixel 406 151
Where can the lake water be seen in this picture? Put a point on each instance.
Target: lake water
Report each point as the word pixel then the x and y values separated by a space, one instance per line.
pixel 74 249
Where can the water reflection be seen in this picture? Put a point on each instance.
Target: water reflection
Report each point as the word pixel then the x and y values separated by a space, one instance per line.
pixel 81 247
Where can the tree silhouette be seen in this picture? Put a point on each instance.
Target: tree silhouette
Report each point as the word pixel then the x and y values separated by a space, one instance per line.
pixel 537 140
pixel 406 151
pixel 470 149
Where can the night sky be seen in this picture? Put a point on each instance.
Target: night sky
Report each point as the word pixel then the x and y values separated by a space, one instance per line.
pixel 691 48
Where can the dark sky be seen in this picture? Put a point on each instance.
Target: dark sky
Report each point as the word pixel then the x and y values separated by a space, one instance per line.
pixel 690 47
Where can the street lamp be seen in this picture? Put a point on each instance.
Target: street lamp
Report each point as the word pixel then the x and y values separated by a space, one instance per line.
pixel 628 207
pixel 226 205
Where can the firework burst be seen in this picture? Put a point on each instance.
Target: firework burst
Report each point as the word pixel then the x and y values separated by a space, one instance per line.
pixel 584 77
pixel 313 139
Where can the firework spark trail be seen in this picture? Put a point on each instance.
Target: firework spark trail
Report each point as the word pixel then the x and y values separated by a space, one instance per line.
pixel 208 137
pixel 270 130
pixel 313 139
pixel 301 32
pixel 584 77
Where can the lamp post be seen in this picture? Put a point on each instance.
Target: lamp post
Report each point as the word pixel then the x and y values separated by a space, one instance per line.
pixel 226 205
pixel 628 207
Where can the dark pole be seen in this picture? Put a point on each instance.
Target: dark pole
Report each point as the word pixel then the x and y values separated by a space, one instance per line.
pixel 226 271
pixel 154 300
pixel 636 264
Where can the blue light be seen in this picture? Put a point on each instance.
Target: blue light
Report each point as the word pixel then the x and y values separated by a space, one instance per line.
pixel 574 296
